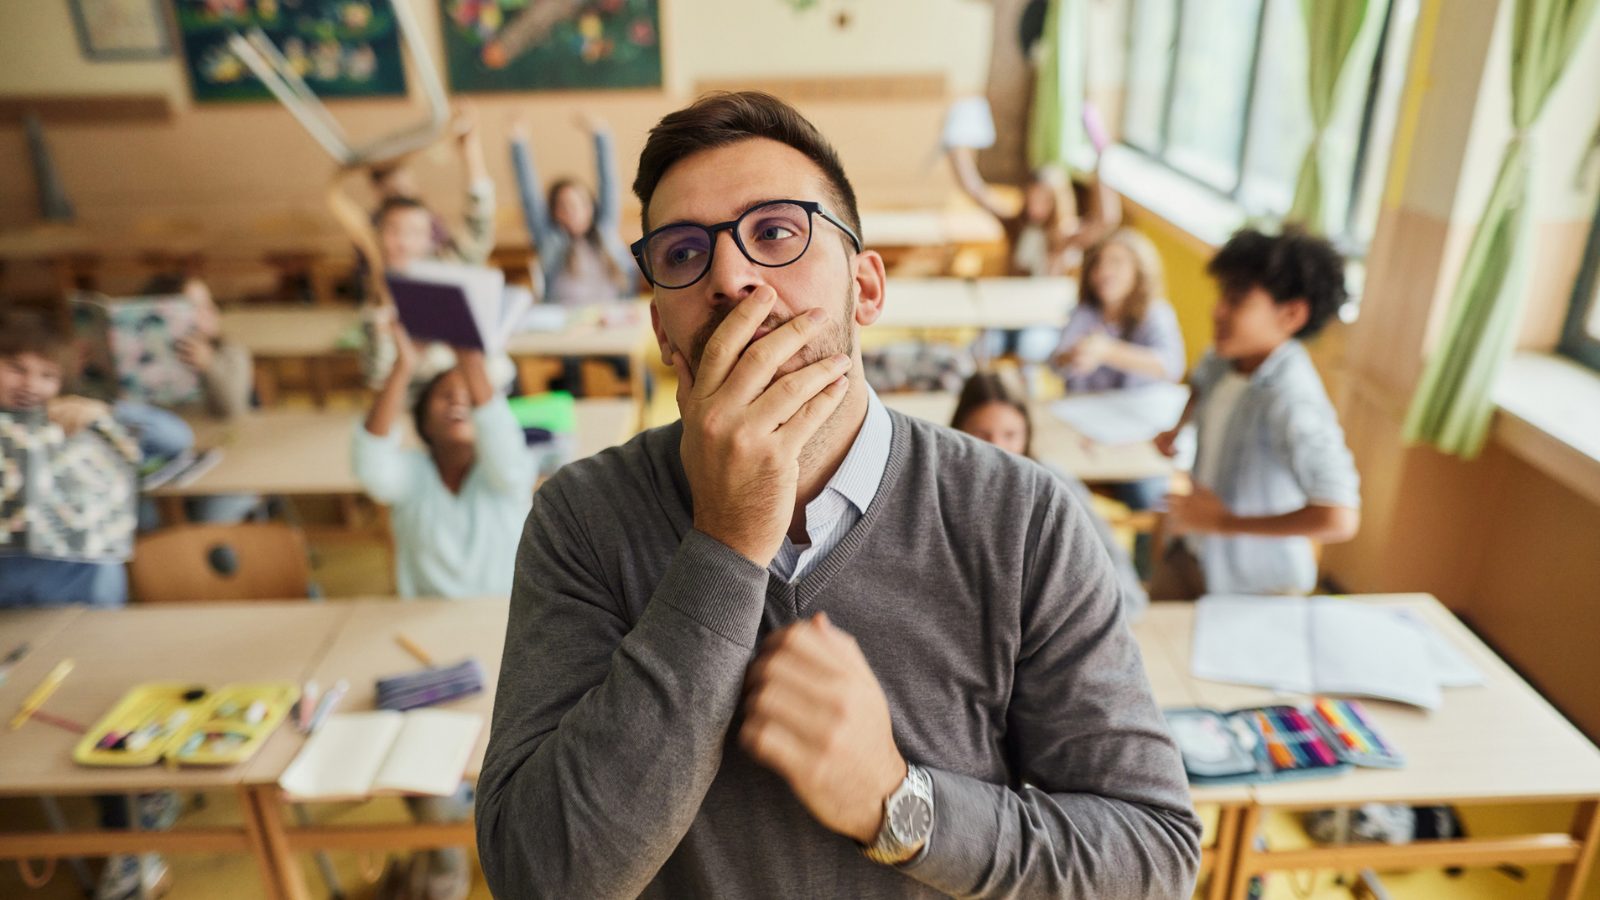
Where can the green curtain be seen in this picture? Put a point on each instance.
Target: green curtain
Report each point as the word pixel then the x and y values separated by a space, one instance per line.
pixel 1452 406
pixel 1331 30
pixel 1055 129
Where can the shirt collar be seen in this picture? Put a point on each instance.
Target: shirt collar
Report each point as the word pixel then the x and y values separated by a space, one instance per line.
pixel 858 477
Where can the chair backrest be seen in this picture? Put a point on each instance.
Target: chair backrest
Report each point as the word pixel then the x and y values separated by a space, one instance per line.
pixel 250 561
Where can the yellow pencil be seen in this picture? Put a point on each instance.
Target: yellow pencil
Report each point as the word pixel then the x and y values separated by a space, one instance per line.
pixel 41 693
pixel 411 648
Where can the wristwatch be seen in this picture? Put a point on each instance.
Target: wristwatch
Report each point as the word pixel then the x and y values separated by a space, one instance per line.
pixel 907 820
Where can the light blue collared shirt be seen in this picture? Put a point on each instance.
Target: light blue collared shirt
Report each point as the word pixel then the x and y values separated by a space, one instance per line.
pixel 1282 449
pixel 844 501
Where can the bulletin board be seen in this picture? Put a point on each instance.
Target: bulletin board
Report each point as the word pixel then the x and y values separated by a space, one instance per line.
pixel 546 45
pixel 341 48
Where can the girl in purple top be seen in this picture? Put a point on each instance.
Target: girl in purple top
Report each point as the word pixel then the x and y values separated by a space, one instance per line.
pixel 1122 333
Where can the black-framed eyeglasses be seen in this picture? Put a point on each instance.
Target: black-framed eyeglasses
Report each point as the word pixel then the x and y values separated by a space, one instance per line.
pixel 771 234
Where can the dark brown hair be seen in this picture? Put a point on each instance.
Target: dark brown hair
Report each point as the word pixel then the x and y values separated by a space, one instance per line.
pixel 1146 287
pixel 25 331
pixel 985 388
pixel 1295 265
pixel 723 118
pixel 396 204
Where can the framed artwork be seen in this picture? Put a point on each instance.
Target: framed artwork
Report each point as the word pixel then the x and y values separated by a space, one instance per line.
pixel 548 45
pixel 341 48
pixel 120 30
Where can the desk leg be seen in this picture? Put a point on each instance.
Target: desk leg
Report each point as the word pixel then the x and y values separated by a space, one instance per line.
pixel 1224 851
pixel 255 834
pixel 267 381
pixel 288 879
pixel 1571 877
pixel 171 511
pixel 1240 871
pixel 317 371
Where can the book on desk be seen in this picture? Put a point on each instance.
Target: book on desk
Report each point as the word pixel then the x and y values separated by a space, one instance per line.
pixel 459 305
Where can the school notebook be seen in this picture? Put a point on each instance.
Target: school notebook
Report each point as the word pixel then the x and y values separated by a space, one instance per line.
pixel 424 751
pixel 1325 645
pixel 458 305
pixel 131 347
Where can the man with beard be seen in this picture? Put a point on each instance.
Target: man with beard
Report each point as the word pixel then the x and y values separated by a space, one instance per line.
pixel 796 645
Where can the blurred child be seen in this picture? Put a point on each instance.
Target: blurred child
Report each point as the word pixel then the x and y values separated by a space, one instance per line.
pixel 457 511
pixel 581 254
pixel 402 231
pixel 992 411
pixel 1272 472
pixel 1123 333
pixel 67 495
pixel 582 257
pixel 1047 236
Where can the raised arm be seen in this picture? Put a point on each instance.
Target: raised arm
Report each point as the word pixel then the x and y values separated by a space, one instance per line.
pixel 534 211
pixel 478 242
pixel 966 170
pixel 357 226
pixel 608 197
pixel 375 454
pixel 502 452
pixel 1104 810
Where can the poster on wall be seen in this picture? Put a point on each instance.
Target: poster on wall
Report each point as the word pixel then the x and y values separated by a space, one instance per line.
pixel 547 45
pixel 341 48
pixel 116 30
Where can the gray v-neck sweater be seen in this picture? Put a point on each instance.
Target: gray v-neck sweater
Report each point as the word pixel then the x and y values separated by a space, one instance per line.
pixel 989 612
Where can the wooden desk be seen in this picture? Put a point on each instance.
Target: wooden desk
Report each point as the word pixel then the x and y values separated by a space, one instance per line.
pixel 1501 743
pixel 1054 441
pixel 361 651
pixel 1024 302
pixel 281 451
pixel 928 228
pixel 930 303
pixel 209 644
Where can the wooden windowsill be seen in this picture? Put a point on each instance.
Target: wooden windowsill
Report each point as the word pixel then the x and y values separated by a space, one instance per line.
pixel 1550 417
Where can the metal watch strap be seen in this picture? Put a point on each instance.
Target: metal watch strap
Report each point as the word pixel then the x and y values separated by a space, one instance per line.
pixel 888 849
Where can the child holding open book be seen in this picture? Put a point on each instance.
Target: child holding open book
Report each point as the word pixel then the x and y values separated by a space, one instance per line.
pixel 1272 473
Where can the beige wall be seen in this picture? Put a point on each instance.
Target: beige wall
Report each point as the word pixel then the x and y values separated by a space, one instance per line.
pixel 242 168
pixel 1505 545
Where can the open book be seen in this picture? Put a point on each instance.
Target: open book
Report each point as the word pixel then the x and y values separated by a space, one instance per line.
pixel 423 751
pixel 1324 645
pixel 459 305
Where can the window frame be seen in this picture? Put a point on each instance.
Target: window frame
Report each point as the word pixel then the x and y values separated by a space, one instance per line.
pixel 1346 239
pixel 1576 342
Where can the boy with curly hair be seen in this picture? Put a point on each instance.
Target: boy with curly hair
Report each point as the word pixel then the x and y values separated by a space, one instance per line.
pixel 1273 473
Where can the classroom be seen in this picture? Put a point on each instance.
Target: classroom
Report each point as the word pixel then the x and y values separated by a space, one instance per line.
pixel 800 448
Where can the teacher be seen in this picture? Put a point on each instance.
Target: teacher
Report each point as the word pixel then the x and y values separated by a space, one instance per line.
pixel 797 645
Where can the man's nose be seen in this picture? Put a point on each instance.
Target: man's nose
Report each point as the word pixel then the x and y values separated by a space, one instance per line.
pixel 732 276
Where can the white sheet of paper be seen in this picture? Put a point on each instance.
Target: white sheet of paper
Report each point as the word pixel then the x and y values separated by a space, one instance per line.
pixel 1124 417
pixel 344 755
pixel 1450 665
pixel 1363 650
pixel 431 752
pixel 1253 640
pixel 485 287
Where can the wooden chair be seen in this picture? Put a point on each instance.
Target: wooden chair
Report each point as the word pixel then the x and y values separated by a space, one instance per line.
pixel 249 561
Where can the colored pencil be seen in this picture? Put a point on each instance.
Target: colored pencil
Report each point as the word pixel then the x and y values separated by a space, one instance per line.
pixel 1371 732
pixel 412 648
pixel 1280 754
pixel 41 693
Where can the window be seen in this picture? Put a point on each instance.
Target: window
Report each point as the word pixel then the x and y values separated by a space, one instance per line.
pixel 1216 90
pixel 1581 337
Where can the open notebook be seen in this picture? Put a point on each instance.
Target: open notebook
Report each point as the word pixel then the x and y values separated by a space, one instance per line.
pixel 423 751
pixel 1325 645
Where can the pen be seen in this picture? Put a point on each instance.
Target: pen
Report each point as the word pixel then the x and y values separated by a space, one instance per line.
pixel 1319 749
pixel 1291 739
pixel 42 693
pixel 1275 748
pixel 329 701
pixel 1370 732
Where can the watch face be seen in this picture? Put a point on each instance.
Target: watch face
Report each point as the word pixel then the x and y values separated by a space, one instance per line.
pixel 911 819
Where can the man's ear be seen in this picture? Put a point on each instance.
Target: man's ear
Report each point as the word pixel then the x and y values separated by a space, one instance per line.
pixel 1294 314
pixel 661 334
pixel 871 281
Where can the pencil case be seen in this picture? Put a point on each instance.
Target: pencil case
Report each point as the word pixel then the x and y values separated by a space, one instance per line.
pixel 185 724
pixel 1270 744
pixel 430 686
